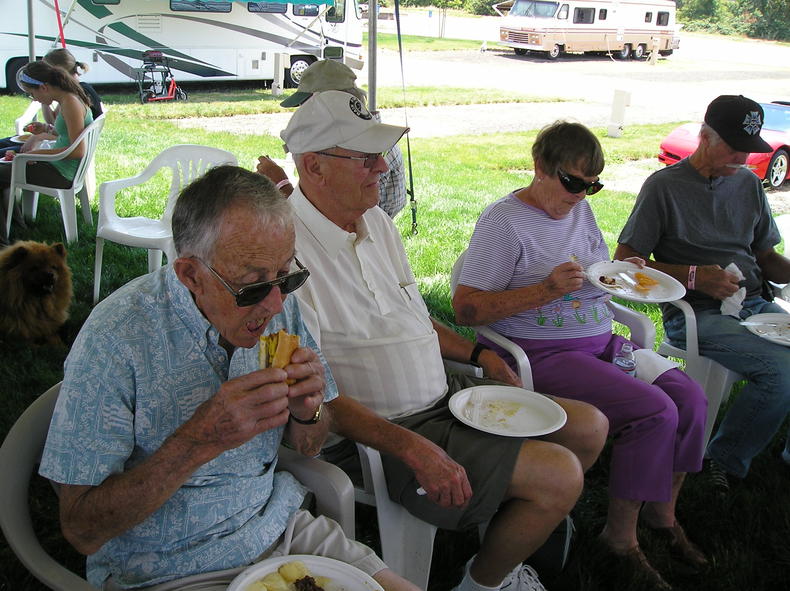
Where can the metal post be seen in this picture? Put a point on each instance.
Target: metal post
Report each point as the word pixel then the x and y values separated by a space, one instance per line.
pixel 373 15
pixel 280 59
pixel 621 100
pixel 31 33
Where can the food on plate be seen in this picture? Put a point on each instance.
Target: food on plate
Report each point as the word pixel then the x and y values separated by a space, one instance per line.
pixel 9 155
pixel 644 283
pixel 24 137
pixel 609 281
pixel 290 576
pixel 494 413
pixel 276 350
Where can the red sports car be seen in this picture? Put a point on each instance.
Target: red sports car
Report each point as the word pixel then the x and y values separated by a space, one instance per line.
pixel 772 167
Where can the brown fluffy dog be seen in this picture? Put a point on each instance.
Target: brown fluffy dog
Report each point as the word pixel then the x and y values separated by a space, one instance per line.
pixel 35 291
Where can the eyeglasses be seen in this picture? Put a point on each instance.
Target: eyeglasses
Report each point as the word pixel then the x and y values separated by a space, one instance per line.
pixel 574 184
pixel 251 294
pixel 369 159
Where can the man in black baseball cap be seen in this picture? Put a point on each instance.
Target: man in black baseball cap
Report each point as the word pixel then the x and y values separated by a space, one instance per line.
pixel 706 221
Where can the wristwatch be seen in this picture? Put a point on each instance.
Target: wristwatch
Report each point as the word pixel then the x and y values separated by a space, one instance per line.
pixel 311 421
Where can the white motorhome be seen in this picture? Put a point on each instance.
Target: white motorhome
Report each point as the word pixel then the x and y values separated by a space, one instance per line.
pixel 626 28
pixel 201 39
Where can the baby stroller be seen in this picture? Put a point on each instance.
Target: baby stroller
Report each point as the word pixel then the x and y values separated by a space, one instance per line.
pixel 155 81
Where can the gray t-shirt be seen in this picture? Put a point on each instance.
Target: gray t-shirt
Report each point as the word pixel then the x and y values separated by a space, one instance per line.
pixel 681 217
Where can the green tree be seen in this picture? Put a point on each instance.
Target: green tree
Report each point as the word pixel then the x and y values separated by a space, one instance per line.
pixel 768 19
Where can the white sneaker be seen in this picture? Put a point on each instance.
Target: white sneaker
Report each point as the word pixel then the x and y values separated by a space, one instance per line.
pixel 522 579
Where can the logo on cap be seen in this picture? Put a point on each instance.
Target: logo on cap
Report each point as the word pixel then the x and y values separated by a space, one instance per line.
pixel 358 108
pixel 752 123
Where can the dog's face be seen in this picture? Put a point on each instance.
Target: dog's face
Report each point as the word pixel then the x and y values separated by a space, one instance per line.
pixel 39 267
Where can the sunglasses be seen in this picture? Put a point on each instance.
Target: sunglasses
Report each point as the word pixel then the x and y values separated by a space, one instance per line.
pixel 369 159
pixel 574 184
pixel 251 294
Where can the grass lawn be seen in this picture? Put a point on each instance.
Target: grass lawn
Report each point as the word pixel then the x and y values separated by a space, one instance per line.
pixel 455 178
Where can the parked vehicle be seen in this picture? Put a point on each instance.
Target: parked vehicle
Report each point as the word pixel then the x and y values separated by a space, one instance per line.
pixel 201 39
pixel 772 167
pixel 627 28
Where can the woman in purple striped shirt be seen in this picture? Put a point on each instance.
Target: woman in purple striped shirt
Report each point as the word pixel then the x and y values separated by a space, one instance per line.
pixel 523 276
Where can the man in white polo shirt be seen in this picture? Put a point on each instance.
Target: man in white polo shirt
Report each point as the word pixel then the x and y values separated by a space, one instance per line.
pixel 364 310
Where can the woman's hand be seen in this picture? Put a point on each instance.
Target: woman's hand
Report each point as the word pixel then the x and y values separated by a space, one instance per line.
pixel 36 127
pixel 564 278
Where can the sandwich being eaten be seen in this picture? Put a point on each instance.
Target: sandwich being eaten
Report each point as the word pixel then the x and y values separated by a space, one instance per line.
pixel 276 350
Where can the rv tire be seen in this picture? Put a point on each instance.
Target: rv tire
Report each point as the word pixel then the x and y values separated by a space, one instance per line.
pixel 639 51
pixel 520 51
pixel 554 52
pixel 665 52
pixel 625 52
pixel 11 70
pixel 293 75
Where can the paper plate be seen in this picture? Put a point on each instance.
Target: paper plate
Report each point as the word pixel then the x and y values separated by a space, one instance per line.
pixel 509 411
pixel 21 139
pixel 774 327
pixel 343 577
pixel 667 289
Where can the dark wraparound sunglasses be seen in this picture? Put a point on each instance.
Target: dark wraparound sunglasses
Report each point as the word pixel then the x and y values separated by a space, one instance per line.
pixel 251 294
pixel 574 184
pixel 369 159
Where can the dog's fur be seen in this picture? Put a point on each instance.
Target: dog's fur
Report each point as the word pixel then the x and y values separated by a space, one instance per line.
pixel 35 291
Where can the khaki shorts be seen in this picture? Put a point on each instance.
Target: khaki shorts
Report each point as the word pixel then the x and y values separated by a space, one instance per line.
pixel 305 534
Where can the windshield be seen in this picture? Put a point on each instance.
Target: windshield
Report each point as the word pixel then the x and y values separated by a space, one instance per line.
pixel 534 8
pixel 776 117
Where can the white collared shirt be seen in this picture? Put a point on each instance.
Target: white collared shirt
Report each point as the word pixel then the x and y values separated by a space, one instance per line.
pixel 362 306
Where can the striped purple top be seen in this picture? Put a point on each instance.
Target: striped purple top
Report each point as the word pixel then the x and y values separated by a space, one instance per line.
pixel 515 245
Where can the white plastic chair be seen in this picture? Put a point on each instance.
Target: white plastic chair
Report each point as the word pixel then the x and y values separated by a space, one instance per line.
pixel 28 116
pixel 715 379
pixel 781 292
pixel 186 162
pixel 21 188
pixel 20 455
pixel 406 540
pixel 643 331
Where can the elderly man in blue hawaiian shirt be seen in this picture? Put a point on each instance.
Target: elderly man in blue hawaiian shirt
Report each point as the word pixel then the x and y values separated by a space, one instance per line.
pixel 166 432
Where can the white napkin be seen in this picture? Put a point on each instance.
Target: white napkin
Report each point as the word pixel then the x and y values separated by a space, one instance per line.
pixel 650 365
pixel 732 305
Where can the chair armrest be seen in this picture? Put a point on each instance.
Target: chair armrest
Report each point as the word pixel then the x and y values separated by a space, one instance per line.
pixel 692 343
pixel 523 367
pixel 466 369
pixel 643 331
pixel 334 492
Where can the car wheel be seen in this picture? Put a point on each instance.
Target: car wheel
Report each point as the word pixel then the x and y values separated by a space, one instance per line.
pixel 639 51
pixel 520 51
pixel 554 52
pixel 777 169
pixel 625 52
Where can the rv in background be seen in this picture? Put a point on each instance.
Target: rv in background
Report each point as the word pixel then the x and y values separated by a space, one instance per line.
pixel 201 39
pixel 625 28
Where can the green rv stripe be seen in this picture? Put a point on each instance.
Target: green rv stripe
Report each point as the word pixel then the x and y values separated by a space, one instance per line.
pixel 96 10
pixel 130 33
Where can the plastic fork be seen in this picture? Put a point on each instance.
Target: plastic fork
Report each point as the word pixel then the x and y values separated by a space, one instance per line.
pixel 476 401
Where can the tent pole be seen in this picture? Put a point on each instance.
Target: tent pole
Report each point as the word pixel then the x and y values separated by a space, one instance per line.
pixel 373 13
pixel 31 33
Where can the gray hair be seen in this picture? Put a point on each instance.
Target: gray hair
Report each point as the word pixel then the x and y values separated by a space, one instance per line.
pixel 713 137
pixel 564 144
pixel 201 206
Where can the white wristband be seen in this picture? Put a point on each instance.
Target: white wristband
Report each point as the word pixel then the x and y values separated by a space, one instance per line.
pixel 282 183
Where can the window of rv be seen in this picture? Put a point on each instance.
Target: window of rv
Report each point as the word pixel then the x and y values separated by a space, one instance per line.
pixel 270 7
pixel 200 6
pixel 602 14
pixel 648 17
pixel 662 20
pixel 584 16
pixel 534 8
pixel 563 13
pixel 305 9
pixel 337 14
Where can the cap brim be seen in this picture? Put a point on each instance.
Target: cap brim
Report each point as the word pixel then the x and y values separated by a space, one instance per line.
pixel 296 99
pixel 379 138
pixel 753 145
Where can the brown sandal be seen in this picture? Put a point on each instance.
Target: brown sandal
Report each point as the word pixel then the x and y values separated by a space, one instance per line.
pixel 681 547
pixel 640 566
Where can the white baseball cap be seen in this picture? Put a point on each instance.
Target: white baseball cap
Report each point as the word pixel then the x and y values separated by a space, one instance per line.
pixel 337 119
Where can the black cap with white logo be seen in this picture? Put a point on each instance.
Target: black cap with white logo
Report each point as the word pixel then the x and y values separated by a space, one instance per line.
pixel 738 120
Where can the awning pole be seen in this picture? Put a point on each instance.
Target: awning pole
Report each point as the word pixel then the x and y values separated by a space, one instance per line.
pixel 31 33
pixel 373 14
